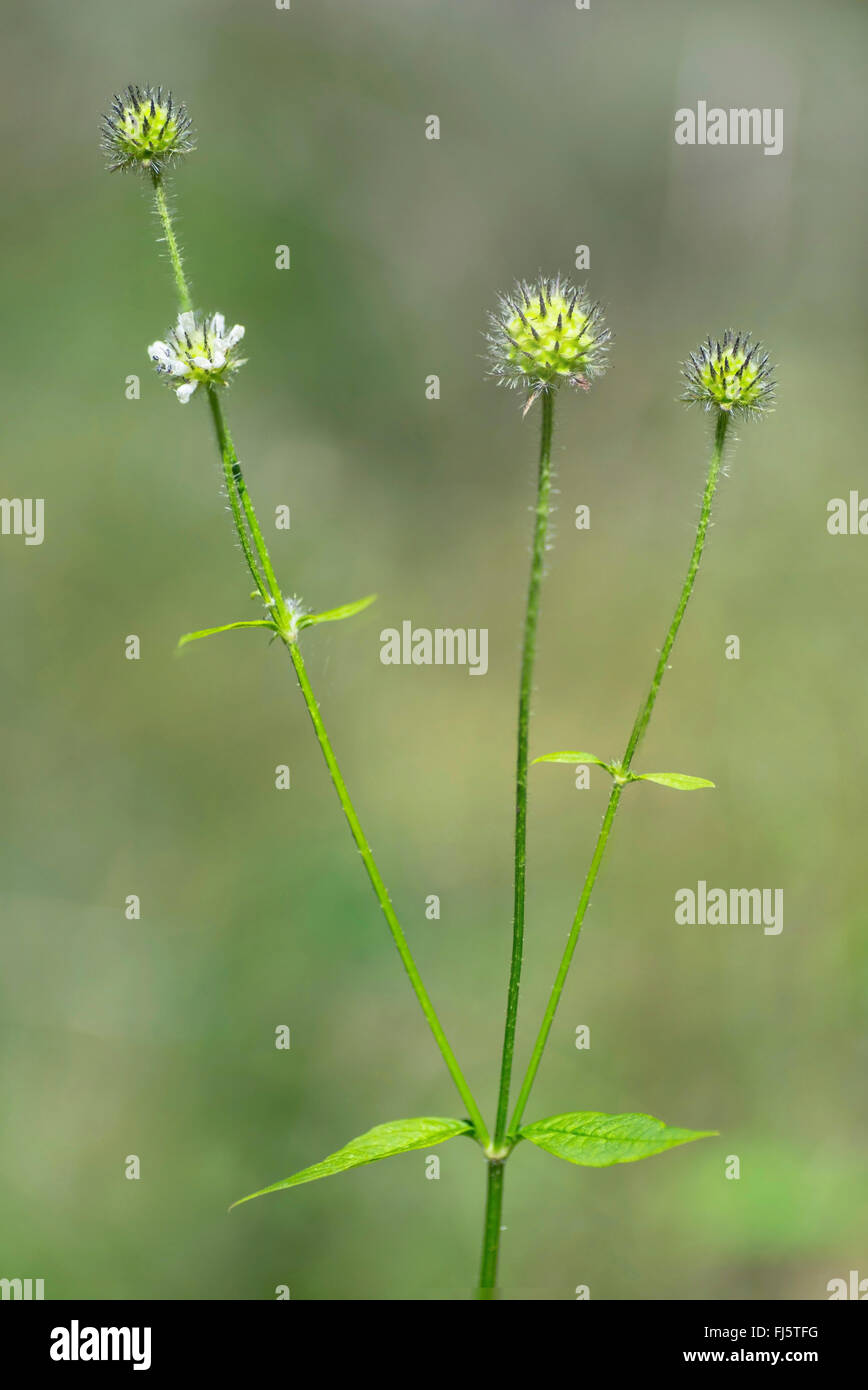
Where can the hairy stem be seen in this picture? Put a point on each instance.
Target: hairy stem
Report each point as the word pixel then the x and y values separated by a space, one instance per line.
pixel 491 1238
pixel 184 297
pixel 639 727
pixel 531 622
pixel 232 473
pixel 382 895
pixel 261 568
pixel 566 959
pixel 644 715
pixel 494 1198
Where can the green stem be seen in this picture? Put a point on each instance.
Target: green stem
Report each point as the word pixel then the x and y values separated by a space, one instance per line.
pixel 639 727
pixel 184 297
pixel 235 487
pixel 645 712
pixel 239 496
pixel 259 563
pixel 382 895
pixel 232 474
pixel 531 622
pixel 491 1238
pixel 566 959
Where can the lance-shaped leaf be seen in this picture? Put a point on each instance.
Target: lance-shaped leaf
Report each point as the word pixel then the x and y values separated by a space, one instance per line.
pixel 679 780
pixel 573 758
pixel 596 1140
pixel 227 627
pixel 396 1137
pixel 333 615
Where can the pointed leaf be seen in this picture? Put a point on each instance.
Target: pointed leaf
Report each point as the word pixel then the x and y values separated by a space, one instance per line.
pixel 227 627
pixel 573 758
pixel 596 1140
pixel 347 610
pixel 396 1137
pixel 679 780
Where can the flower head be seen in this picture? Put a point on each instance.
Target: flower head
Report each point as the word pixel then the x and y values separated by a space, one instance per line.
pixel 145 129
pixel 732 375
pixel 544 334
pixel 198 349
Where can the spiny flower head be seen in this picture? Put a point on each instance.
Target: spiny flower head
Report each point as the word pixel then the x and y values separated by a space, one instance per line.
pixel 144 129
pixel 546 333
pixel 198 349
pixel 732 375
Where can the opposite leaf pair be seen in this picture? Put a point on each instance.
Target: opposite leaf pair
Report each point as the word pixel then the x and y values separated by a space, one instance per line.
pixel 680 781
pixel 298 620
pixel 588 1137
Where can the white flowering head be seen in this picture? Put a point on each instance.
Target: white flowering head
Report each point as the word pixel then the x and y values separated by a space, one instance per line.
pixel 198 349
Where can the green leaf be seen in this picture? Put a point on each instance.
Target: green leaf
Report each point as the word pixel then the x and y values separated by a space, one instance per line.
pixel 333 615
pixel 227 627
pixel 679 780
pixel 572 758
pixel 396 1137
pixel 596 1140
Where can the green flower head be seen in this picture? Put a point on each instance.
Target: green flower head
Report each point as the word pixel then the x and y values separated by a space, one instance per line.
pixel 544 334
pixel 732 375
pixel 145 129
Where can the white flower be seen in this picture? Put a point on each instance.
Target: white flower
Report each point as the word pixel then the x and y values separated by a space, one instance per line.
pixel 198 349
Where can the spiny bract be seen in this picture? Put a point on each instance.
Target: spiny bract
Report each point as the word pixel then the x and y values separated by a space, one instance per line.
pixel 145 129
pixel 732 375
pixel 544 334
pixel 198 349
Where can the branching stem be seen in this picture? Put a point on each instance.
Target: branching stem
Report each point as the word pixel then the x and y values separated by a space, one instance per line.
pixel 262 571
pixel 639 727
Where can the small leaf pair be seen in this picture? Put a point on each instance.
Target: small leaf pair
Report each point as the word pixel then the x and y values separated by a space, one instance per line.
pixel 299 620
pixel 680 781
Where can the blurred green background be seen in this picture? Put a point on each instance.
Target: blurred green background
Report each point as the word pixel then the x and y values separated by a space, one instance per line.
pixel 156 777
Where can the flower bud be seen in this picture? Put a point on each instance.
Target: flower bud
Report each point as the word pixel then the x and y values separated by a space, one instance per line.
pixel 145 129
pixel 732 375
pixel 544 334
